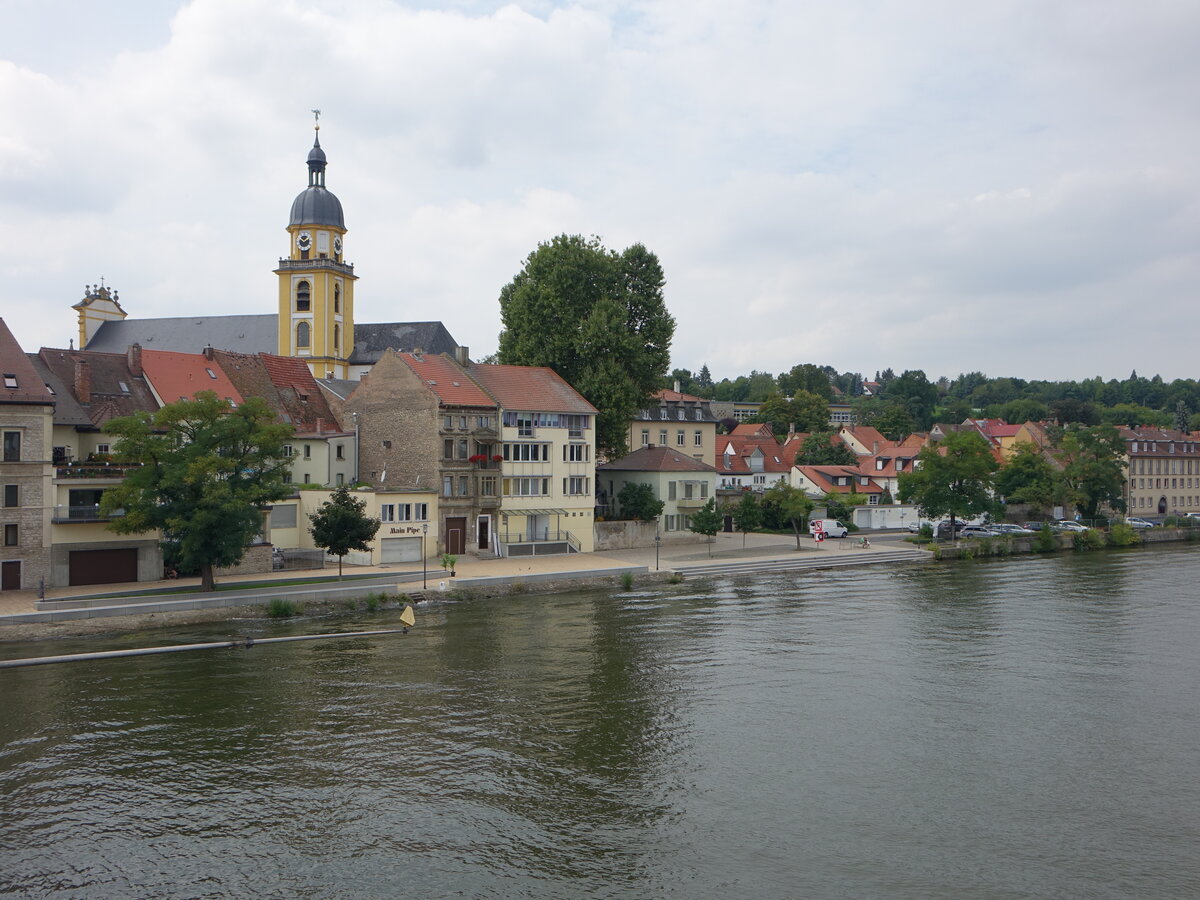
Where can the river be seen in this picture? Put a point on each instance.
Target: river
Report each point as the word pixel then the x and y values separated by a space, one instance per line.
pixel 992 729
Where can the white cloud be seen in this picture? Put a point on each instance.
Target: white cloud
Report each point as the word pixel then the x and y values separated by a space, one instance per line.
pixel 1004 187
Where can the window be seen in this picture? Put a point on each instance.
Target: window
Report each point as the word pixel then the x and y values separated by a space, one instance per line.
pixel 483 422
pixel 487 486
pixel 12 446
pixel 464 485
pixel 680 440
pixel 10 534
pixel 12 495
pixel 420 511
pixel 337 300
pixel 526 487
pixel 387 512
pixel 102 448
pixel 307 479
pixel 448 422
pixel 308 451
pixel 645 437
pixel 340 452
pixel 575 486
pixel 448 448
pixel 698 439
pixel 303 330
pixel 447 486
pixel 337 336
pixel 575 452
pixel 699 415
pixel 662 438
pixel 303 297
pixel 288 451
pixel 211 374
pixel 524 425
pixel 671 490
pixel 462 448
pixel 283 516
pixel 10 380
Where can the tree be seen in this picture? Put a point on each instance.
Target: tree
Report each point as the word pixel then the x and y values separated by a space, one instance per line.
pixel 598 319
pixel 1093 470
pixel 208 473
pixel 952 478
pixel 803 412
pixel 704 380
pixel 1028 477
pixel 821 449
pixel 913 391
pixel 808 378
pixel 792 504
pixel 341 525
pixel 747 515
pixel 707 521
pixel 637 501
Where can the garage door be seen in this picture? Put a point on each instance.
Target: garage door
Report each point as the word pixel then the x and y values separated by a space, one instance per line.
pixel 103 566
pixel 397 550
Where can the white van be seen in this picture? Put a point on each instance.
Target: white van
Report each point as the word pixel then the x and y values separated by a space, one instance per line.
pixel 832 528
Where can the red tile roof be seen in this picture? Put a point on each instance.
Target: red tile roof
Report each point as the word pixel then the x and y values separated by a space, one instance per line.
pixel 286 384
pixel 752 429
pixel 667 396
pixel 175 376
pixel 443 376
pixel 530 389
pixel 822 477
pixel 21 382
pixel 734 452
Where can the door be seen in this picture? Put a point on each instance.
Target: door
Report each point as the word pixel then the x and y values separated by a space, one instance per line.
pixel 456 535
pixel 398 550
pixel 485 527
pixel 537 527
pixel 103 566
pixel 10 576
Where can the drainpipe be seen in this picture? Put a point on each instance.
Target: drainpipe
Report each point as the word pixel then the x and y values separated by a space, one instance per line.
pixel 354 416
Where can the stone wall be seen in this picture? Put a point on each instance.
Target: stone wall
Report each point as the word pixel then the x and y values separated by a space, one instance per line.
pixel 256 561
pixel 628 535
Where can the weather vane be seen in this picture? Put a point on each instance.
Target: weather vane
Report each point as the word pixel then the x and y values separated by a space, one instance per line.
pixel 317 118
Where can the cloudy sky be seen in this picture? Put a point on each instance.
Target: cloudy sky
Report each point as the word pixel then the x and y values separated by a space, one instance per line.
pixel 1000 186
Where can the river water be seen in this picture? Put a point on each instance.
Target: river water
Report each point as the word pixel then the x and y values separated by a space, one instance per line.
pixel 999 729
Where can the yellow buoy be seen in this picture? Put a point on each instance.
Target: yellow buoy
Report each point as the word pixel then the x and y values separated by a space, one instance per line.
pixel 407 617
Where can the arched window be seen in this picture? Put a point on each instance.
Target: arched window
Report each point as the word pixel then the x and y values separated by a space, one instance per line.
pixel 337 299
pixel 303 297
pixel 337 336
pixel 302 335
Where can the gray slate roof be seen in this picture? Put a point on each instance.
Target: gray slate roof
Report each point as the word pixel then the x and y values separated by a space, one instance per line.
pixel 67 410
pixel 241 334
pixel 259 334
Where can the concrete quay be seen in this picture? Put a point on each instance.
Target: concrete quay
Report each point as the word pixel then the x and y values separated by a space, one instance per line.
pixel 727 555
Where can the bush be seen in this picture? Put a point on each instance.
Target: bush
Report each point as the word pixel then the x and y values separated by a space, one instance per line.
pixel 675 578
pixel 627 580
pixel 279 608
pixel 926 531
pixel 1087 540
pixel 1046 541
pixel 1121 534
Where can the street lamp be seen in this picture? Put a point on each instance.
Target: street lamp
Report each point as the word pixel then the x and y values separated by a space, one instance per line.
pixel 424 532
pixel 657 543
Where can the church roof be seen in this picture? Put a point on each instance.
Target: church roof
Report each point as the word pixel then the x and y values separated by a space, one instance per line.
pixel 190 334
pixel 371 340
pixel 317 206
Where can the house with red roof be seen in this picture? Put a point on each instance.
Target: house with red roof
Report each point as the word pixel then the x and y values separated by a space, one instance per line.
pixel 752 460
pixel 817 481
pixel 681 482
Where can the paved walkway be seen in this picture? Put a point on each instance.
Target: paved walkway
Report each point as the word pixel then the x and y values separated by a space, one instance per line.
pixel 735 549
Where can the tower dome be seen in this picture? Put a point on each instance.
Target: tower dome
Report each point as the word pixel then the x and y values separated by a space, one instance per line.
pixel 316 205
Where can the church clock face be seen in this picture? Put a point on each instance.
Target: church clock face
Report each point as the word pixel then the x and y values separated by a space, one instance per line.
pixel 304 240
pixel 337 244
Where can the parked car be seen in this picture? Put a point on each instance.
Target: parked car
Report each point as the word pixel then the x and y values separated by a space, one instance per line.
pixel 1194 516
pixel 915 526
pixel 832 528
pixel 1035 526
pixel 1135 522
pixel 1011 528
pixel 977 531
pixel 942 529
pixel 1067 525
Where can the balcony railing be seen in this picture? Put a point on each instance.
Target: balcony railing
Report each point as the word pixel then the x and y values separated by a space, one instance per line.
pixel 691 502
pixel 115 471
pixel 89 513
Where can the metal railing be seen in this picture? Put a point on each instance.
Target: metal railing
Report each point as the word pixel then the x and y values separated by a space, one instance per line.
pixel 115 471
pixel 88 513
pixel 520 543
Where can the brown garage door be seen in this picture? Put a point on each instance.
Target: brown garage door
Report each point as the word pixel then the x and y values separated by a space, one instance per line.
pixel 103 566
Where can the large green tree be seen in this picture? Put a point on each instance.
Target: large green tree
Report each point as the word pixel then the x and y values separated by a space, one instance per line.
pixel 1093 472
pixel 747 515
pixel 1028 477
pixel 598 319
pixel 791 505
pixel 820 449
pixel 208 473
pixel 803 412
pixel 707 521
pixel 341 524
pixel 952 478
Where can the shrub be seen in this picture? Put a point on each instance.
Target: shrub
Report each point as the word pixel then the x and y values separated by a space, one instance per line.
pixel 926 531
pixel 1121 534
pixel 675 578
pixel 517 586
pixel 372 601
pixel 1045 542
pixel 279 608
pixel 627 580
pixel 966 552
pixel 1087 540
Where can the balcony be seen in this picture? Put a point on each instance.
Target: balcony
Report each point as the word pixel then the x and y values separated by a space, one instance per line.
pixel 691 502
pixel 109 471
pixel 82 514
pixel 286 265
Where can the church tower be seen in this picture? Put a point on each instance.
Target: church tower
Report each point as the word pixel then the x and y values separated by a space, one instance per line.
pixel 316 285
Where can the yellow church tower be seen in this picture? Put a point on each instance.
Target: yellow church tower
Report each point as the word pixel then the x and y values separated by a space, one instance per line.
pixel 316 285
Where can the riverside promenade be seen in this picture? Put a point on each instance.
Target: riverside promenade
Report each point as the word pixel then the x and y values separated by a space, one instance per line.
pixel 727 555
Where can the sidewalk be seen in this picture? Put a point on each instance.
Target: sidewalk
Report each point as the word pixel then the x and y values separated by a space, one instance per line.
pixel 670 557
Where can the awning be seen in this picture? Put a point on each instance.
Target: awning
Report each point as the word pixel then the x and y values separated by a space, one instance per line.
pixel 534 512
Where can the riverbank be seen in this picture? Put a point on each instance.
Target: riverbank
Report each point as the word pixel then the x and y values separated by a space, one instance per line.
pixel 1009 545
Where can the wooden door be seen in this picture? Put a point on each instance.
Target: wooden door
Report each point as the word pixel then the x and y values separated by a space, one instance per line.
pixel 456 535
pixel 10 575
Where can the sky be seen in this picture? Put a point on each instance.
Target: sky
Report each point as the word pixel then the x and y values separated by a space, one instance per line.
pixel 1005 187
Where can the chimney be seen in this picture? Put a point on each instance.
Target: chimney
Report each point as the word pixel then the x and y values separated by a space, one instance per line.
pixel 208 353
pixel 133 356
pixel 462 356
pixel 83 381
pixel 875 447
pixel 320 425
